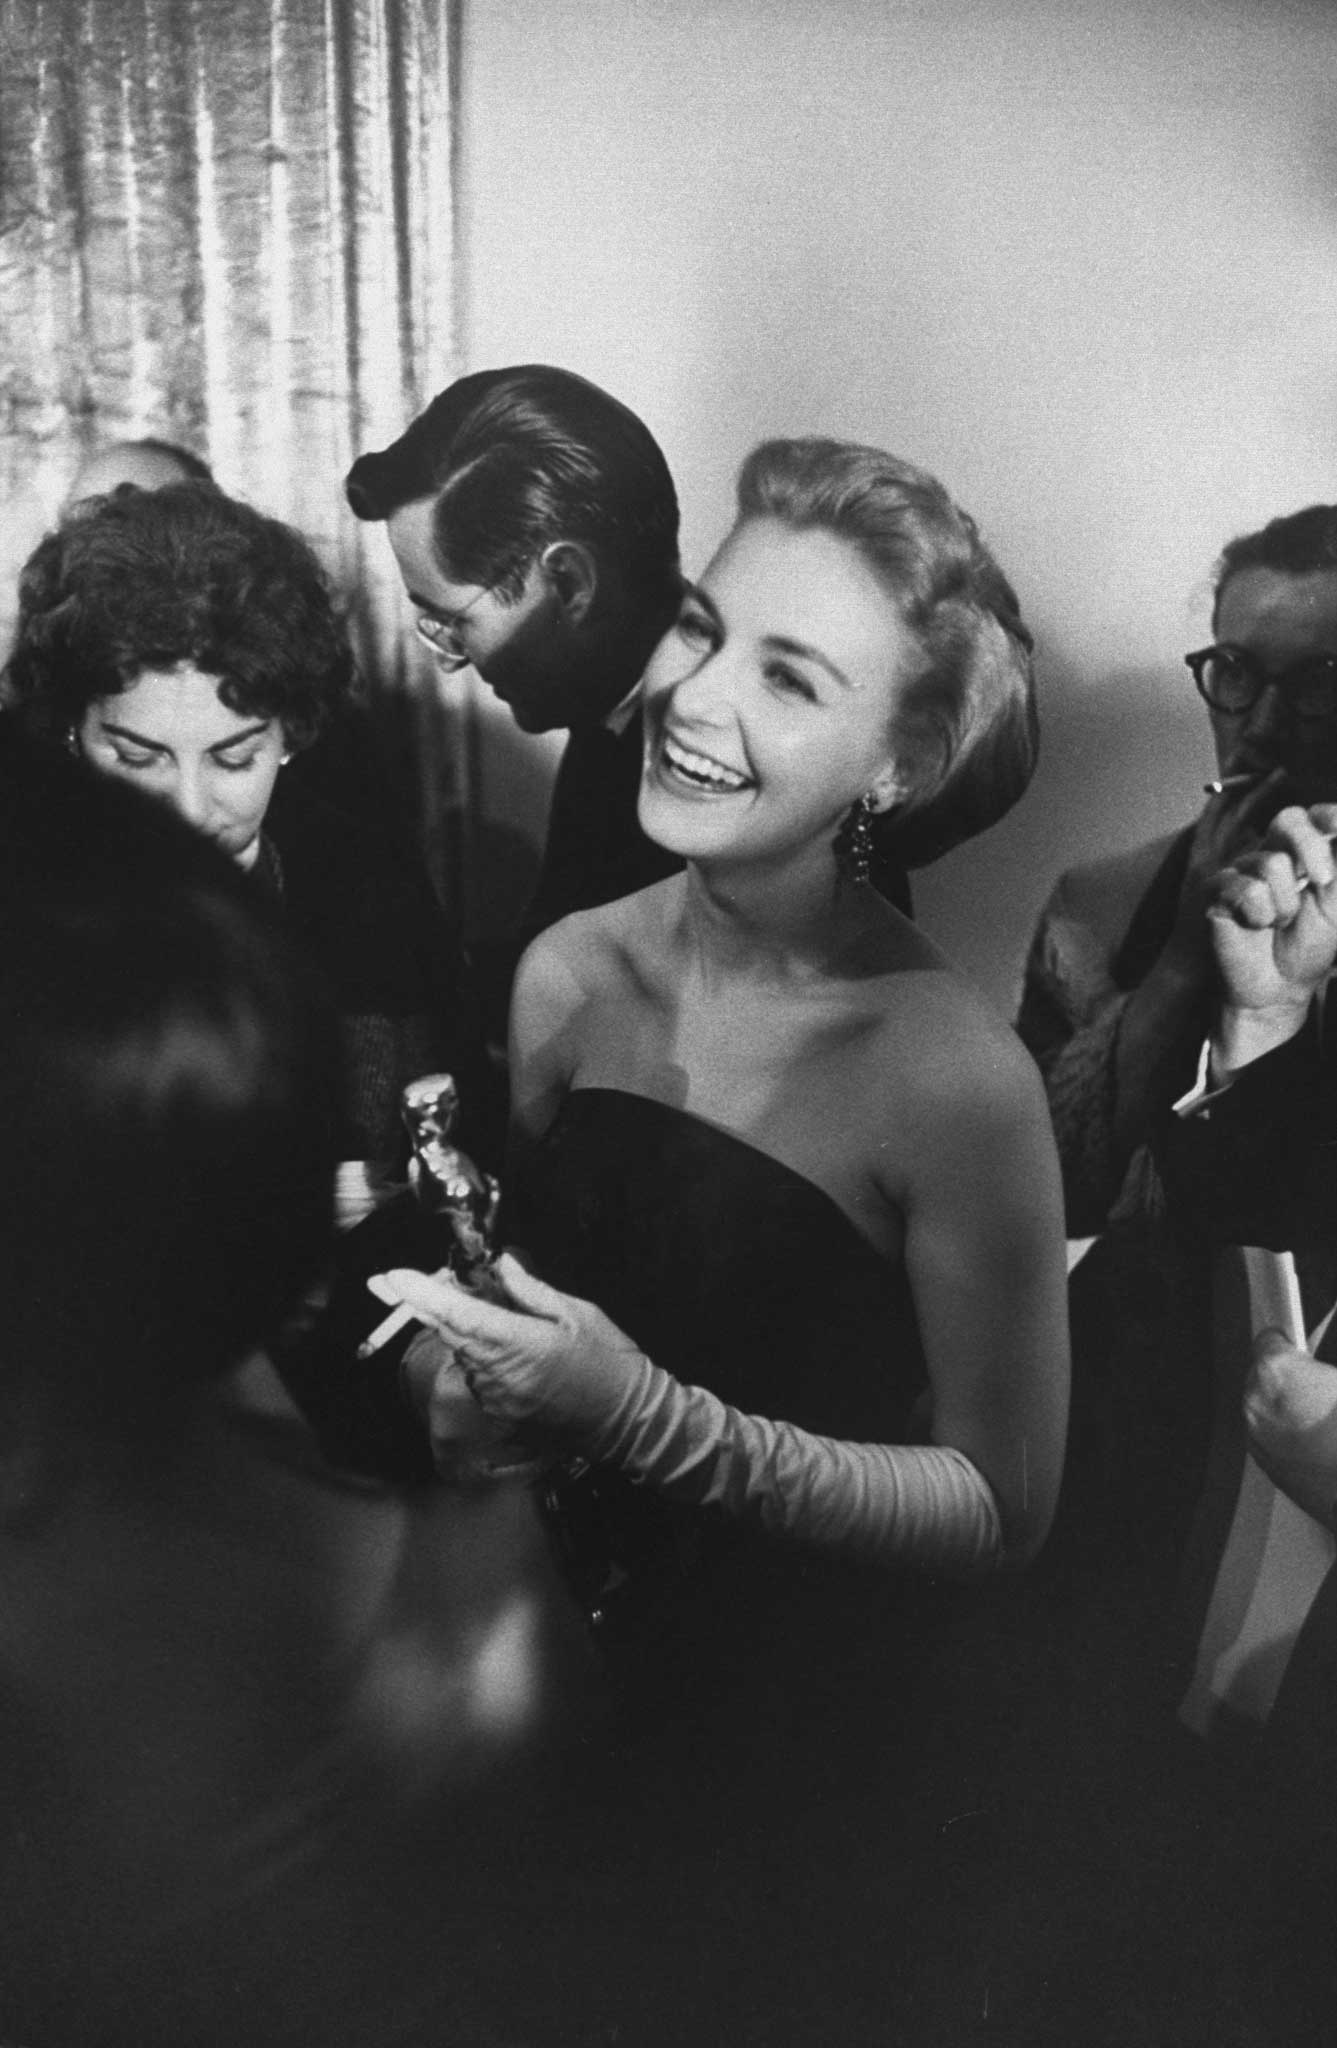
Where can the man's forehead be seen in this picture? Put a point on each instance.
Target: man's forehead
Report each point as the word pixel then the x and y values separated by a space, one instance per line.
pixel 1272 604
pixel 412 537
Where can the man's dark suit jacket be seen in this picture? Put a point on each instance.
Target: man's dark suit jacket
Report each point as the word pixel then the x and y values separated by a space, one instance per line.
pixel 1261 1167
pixel 595 850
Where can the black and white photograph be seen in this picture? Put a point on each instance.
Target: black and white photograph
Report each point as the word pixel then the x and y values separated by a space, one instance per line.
pixel 668 1100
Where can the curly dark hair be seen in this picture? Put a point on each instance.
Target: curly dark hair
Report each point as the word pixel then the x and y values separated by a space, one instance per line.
pixel 142 580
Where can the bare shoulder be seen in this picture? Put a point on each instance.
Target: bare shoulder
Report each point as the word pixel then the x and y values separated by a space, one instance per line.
pixel 556 968
pixel 586 955
pixel 555 984
pixel 955 1106
pixel 942 1054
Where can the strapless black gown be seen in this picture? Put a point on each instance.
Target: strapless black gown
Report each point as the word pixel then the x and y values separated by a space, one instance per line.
pixel 730 1269
pixel 806 1747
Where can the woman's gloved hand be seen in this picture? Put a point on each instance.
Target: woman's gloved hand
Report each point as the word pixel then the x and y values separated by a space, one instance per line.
pixel 553 1363
pixel 540 1358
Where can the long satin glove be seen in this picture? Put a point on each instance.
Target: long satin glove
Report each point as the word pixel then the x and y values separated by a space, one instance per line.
pixel 890 1503
pixel 562 1365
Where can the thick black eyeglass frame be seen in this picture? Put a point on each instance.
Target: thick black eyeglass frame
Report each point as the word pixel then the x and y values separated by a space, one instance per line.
pixel 1310 686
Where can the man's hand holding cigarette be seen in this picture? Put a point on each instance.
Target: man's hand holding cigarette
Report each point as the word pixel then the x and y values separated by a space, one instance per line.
pixel 1273 920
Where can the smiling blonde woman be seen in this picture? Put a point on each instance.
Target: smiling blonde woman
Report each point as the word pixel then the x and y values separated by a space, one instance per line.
pixel 797 1189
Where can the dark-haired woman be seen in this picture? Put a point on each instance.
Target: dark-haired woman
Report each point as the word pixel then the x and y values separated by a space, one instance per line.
pixel 798 1189
pixel 181 641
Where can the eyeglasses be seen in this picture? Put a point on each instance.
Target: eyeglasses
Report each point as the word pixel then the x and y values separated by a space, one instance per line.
pixel 1230 680
pixel 441 632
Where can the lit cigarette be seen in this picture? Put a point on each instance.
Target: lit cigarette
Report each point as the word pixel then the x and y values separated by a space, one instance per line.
pixel 1225 782
pixel 390 1326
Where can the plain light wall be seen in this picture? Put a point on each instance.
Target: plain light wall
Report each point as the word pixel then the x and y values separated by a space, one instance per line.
pixel 1075 256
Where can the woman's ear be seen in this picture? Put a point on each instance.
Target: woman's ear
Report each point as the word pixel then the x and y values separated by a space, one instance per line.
pixel 889 789
pixel 571 573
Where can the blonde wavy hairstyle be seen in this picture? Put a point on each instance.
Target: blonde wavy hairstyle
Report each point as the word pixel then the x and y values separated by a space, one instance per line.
pixel 965 724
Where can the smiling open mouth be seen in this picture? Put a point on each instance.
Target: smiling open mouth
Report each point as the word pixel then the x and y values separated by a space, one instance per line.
pixel 701 771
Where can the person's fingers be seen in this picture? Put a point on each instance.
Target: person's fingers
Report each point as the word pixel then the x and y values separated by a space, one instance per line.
pixel 527 1291
pixel 1317 861
pixel 1272 1344
pixel 1284 824
pixel 1294 836
pixel 435 1298
pixel 1243 900
pixel 1277 871
pixel 459 1365
pixel 1275 1357
pixel 1272 1352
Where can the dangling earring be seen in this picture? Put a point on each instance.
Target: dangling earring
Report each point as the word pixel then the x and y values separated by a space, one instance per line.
pixel 72 740
pixel 853 843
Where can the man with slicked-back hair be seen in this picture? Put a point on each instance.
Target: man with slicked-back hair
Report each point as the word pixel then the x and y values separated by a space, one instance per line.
pixel 535 525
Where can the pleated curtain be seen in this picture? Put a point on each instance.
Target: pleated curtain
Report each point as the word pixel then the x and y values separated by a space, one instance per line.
pixel 229 223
